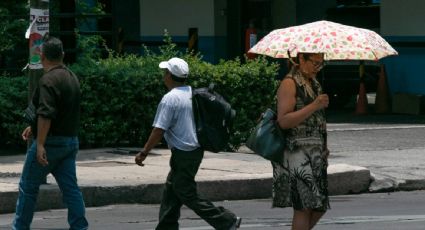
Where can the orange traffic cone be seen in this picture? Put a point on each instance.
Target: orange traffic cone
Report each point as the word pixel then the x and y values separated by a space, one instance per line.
pixel 382 97
pixel 361 106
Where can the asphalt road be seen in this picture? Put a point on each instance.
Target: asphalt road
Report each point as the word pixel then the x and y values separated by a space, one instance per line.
pixel 381 211
pixel 369 137
pixel 388 150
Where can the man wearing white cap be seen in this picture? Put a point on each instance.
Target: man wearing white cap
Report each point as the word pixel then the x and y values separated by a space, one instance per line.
pixel 174 120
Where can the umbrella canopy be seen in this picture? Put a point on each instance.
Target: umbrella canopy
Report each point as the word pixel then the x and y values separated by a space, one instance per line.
pixel 336 41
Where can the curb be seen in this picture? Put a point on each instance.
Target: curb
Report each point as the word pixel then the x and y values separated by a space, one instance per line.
pixel 348 179
pixel 50 196
pixel 343 179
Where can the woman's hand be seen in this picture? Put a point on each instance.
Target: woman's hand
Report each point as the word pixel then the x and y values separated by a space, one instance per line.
pixel 322 101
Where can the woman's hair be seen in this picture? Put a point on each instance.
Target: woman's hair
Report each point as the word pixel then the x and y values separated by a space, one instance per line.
pixel 296 60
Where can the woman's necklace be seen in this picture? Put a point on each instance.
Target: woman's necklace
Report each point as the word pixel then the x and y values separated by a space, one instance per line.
pixel 308 89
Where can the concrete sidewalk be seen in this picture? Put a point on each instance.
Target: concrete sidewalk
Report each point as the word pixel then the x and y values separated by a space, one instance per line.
pixel 110 176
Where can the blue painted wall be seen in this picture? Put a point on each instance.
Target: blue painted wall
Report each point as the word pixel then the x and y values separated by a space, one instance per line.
pixel 406 72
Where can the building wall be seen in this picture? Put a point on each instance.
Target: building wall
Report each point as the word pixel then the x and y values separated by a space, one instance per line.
pixel 126 15
pixel 177 16
pixel 312 10
pixel 220 30
pixel 402 17
pixel 283 13
pixel 220 17
pixel 402 25
pixel 405 72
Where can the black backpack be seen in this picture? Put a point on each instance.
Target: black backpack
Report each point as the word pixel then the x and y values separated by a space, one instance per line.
pixel 213 119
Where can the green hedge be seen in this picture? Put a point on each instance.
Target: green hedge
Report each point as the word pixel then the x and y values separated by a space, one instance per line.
pixel 120 96
pixel 13 100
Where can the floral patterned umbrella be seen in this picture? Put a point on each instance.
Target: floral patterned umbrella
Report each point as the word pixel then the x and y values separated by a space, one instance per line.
pixel 336 41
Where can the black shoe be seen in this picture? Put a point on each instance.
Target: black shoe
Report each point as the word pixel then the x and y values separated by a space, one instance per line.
pixel 237 224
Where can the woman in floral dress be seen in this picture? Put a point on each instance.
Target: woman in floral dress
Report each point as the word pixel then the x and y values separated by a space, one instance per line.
pixel 300 181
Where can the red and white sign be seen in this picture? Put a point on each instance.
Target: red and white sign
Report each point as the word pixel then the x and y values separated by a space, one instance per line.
pixel 38 28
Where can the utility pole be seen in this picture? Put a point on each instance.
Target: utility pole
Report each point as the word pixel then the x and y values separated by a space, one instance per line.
pixel 39 26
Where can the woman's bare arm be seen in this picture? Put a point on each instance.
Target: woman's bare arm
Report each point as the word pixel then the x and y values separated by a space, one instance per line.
pixel 286 101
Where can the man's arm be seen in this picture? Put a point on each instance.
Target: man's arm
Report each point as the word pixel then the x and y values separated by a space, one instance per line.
pixel 43 126
pixel 154 138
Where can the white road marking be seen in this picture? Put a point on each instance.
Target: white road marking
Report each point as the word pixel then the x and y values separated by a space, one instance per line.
pixel 336 220
pixel 383 127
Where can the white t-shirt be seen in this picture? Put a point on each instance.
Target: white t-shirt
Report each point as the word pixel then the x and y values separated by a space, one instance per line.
pixel 174 115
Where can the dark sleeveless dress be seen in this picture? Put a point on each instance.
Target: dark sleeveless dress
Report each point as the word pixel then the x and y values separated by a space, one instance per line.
pixel 300 181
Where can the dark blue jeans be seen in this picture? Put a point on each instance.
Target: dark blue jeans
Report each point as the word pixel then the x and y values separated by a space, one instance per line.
pixel 61 154
pixel 180 189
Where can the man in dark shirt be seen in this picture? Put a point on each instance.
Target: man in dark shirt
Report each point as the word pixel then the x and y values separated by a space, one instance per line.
pixel 57 102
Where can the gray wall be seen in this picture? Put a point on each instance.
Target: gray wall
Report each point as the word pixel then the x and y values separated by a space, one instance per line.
pixel 177 16
pixel 283 13
pixel 403 17
pixel 312 10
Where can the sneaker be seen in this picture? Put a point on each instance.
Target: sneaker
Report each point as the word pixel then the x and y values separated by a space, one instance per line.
pixel 237 224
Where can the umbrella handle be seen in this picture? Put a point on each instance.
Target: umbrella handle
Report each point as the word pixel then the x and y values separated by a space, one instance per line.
pixel 290 59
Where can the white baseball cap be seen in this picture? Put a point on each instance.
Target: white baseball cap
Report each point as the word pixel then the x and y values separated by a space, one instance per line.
pixel 177 66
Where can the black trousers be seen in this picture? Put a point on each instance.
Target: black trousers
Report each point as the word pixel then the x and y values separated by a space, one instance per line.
pixel 180 189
